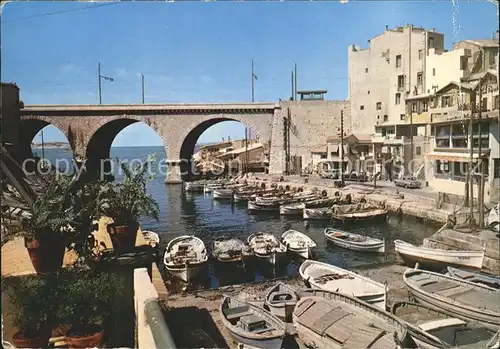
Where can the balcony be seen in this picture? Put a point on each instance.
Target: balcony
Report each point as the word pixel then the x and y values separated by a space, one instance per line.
pixel 393 140
pixel 418 118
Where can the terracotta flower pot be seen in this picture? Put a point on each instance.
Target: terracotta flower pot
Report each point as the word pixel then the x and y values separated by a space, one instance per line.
pixel 123 237
pixel 21 341
pixel 46 254
pixel 90 341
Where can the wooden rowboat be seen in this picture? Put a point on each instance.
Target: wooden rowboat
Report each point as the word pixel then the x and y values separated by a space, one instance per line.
pixel 185 257
pixel 251 325
pixel 267 247
pixel 281 300
pixel 459 298
pixel 438 259
pixel 332 278
pixel 298 243
pixel 323 213
pixel 332 320
pixel 476 277
pixel 230 250
pixel 354 241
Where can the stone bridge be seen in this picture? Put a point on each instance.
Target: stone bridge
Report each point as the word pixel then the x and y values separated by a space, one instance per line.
pixel 91 129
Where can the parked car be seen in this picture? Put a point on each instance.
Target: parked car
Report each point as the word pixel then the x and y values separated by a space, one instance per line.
pixel 408 182
pixel 331 174
pixel 357 177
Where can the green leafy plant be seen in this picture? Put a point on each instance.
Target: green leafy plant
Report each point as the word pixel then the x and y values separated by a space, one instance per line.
pixel 34 303
pixel 131 200
pixel 86 298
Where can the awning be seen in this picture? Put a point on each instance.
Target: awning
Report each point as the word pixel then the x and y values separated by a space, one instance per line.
pixel 449 156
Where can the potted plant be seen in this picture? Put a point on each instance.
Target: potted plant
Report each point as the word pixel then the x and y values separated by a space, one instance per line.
pixel 86 304
pixel 130 202
pixel 32 302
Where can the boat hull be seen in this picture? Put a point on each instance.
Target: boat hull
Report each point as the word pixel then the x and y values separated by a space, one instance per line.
pixel 253 206
pixel 186 273
pixel 273 343
pixel 375 247
pixel 273 258
pixel 357 216
pixel 475 277
pixel 222 194
pixel 488 318
pixel 437 259
pixel 289 211
pixel 314 214
pixel 305 252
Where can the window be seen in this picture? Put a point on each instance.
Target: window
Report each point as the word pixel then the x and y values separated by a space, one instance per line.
pixel 419 149
pixel 378 117
pixel 323 156
pixel 495 103
pixel 402 117
pixel 420 78
pixel 431 42
pixel 398 61
pixel 485 142
pixel 484 104
pixel 368 91
pixel 459 143
pixel 446 101
pixel 413 107
pixel 424 106
pixel 398 98
pixel 496 168
pixel 379 105
pixel 366 70
pixel 463 63
pixel 420 54
pixel 361 107
pixel 442 166
pixel 443 131
pixel 491 58
pixel 401 82
pixel 433 71
pixel 442 143
pixel 386 118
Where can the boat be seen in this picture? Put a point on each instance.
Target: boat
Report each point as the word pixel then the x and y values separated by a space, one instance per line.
pixel 251 325
pixel 331 278
pixel 473 276
pixel 431 328
pixel 270 207
pixel 354 242
pixel 194 187
pixel 299 243
pixel 459 298
pixel 493 218
pixel 355 212
pixel 318 203
pixel 230 250
pixel 435 258
pixel 332 320
pixel 185 257
pixel 292 209
pixel 323 213
pixel 267 247
pixel 151 238
pixel 247 195
pixel 222 193
pixel 281 300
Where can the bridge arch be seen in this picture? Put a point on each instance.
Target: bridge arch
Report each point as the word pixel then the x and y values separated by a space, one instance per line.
pixel 194 131
pixel 100 141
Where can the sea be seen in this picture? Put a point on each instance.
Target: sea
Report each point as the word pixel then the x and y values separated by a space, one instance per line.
pixel 184 213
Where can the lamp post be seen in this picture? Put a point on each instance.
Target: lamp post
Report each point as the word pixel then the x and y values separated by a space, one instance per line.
pixel 100 83
pixel 254 77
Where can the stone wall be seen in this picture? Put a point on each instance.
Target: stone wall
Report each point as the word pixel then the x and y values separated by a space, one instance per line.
pixel 311 123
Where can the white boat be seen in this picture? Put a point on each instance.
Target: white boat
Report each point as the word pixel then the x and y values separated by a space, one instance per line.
pixel 459 298
pixel 366 214
pixel 151 238
pixel 324 213
pixel 267 247
pixel 230 250
pixel 254 206
pixel 281 300
pixel 437 258
pixel 252 325
pixel 332 320
pixel 292 209
pixel 431 328
pixel 222 193
pixel 493 218
pixel 299 243
pixel 472 276
pixel 195 187
pixel 185 257
pixel 354 242
pixel 331 278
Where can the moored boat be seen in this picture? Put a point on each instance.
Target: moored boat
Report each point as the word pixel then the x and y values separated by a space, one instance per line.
pixel 332 278
pixel 292 209
pixel 324 213
pixel 185 257
pixel 230 250
pixel 152 238
pixel 251 325
pixel 476 277
pixel 267 247
pixel 432 328
pixel 354 242
pixel 222 193
pixel 270 207
pixel 194 187
pixel 299 243
pixel 356 212
pixel 434 258
pixel 332 320
pixel 459 298
pixel 281 300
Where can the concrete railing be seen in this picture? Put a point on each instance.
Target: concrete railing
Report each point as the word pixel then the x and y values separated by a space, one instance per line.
pixel 151 329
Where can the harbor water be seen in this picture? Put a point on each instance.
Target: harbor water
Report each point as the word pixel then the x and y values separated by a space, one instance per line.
pixel 199 214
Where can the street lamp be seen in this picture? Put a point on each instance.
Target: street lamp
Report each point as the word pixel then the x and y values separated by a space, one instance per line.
pixel 103 77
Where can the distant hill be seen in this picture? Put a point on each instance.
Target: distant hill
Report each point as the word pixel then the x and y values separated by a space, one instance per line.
pixel 51 145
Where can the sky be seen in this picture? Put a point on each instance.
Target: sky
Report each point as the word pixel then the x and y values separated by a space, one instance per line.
pixel 192 52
